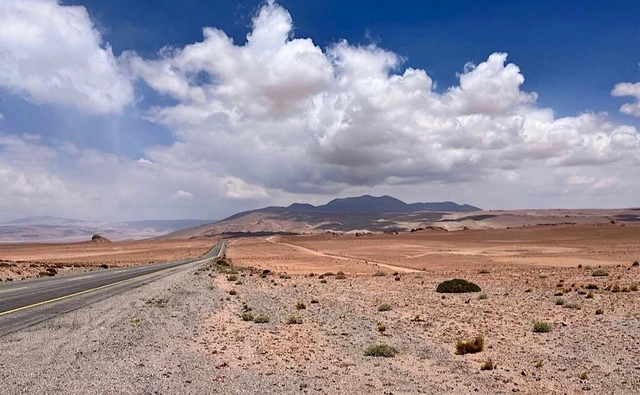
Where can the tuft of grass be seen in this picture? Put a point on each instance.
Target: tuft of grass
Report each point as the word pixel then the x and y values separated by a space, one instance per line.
pixel 539 363
pixel 599 311
pixel 379 274
pixel 482 296
pixel 457 285
pixel 559 301
pixel 488 365
pixel 584 376
pixel 261 319
pixel 541 327
pixel 247 317
pixel 381 327
pixel 572 305
pixel 135 321
pixel 301 306
pixel 600 273
pixel 380 350
pixel 293 320
pixel 589 295
pixel 470 346
pixel 384 307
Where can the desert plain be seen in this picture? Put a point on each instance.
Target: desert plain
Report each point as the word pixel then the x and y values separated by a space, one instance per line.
pixel 295 314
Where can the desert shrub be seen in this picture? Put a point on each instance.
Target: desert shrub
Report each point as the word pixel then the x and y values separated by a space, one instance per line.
pixel 559 293
pixel 233 292
pixel 539 363
pixel 159 302
pixel 541 327
pixel 247 317
pixel 379 274
pixel 261 319
pixel 340 276
pixel 559 302
pixel 572 305
pixel 323 281
pixel 397 278
pixel 380 350
pixel 470 346
pixel 633 287
pixel 584 376
pixel 615 288
pixel 329 274
pixel 293 320
pixel 232 277
pixel 599 311
pixel 482 296
pixel 635 264
pixel 384 307
pixel 599 273
pixel 528 290
pixel 589 295
pixel 457 286
pixel 591 286
pixel 301 306
pixel 381 327
pixel 488 365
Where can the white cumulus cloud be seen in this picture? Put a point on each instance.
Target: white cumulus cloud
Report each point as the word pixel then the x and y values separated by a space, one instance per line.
pixel 52 53
pixel 629 89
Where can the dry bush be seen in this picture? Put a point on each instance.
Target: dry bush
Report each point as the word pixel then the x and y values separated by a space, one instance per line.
pixel 470 346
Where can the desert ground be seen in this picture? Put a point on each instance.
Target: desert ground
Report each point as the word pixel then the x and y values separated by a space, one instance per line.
pixel 204 330
pixel 21 261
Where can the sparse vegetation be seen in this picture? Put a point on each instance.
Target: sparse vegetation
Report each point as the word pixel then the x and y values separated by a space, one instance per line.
pixel 589 295
pixel 384 307
pixel 293 320
pixel 380 350
pixel 482 296
pixel 457 286
pixel 233 292
pixel 600 273
pixel 599 311
pixel 470 346
pixel 591 286
pixel 572 305
pixel 488 365
pixel 541 327
pixel 539 363
pixel 379 274
pixel 340 276
pixel 584 376
pixel 528 290
pixel 160 302
pixel 261 319
pixel 301 306
pixel 381 327
pixel 247 317
pixel 635 264
pixel 559 301
pixel 232 277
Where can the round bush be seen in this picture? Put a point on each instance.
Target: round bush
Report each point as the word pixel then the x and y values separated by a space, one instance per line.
pixel 457 285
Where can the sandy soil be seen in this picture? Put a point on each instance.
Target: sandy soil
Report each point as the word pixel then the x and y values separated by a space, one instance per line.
pixel 199 340
pixel 20 261
pixel 559 246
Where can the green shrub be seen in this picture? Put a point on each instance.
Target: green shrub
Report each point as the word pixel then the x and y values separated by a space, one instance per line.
pixel 380 350
pixel 541 327
pixel 470 346
pixel 457 285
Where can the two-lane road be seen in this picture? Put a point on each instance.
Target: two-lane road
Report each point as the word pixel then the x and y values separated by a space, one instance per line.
pixel 22 303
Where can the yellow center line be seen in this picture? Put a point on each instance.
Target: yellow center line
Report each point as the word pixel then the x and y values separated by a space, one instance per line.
pixel 13 289
pixel 73 294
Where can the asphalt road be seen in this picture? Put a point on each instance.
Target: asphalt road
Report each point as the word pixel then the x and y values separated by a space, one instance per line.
pixel 28 302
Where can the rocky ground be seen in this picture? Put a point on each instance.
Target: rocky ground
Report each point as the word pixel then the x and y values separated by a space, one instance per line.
pixel 186 334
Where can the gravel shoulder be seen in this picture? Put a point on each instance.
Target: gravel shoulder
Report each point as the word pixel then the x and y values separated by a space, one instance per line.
pixel 184 334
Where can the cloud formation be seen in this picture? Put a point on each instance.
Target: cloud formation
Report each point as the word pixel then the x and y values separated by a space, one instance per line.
pixel 629 89
pixel 276 117
pixel 284 114
pixel 54 54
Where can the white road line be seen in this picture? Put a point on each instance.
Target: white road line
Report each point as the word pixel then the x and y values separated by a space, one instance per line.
pixel 13 289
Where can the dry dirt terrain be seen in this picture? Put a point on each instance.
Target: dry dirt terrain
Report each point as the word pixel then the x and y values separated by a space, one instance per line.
pixel 200 331
pixel 20 261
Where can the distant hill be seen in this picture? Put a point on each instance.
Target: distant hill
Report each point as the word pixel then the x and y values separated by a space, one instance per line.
pixel 384 204
pixel 352 214
pixel 55 229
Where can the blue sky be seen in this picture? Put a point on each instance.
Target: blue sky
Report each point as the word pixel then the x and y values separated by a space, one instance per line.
pixel 94 113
